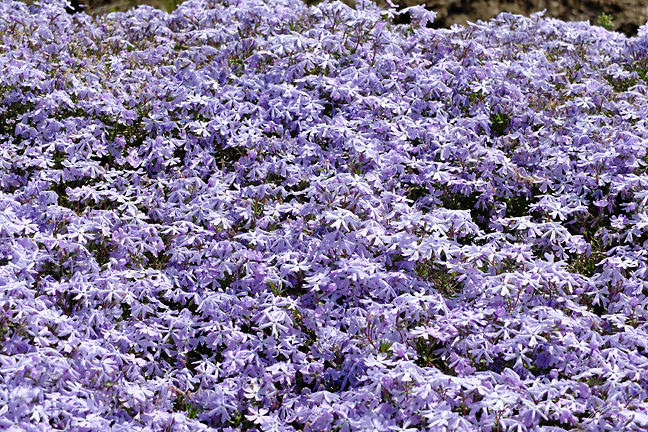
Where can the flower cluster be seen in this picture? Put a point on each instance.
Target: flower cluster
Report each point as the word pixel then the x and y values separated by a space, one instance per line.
pixel 259 215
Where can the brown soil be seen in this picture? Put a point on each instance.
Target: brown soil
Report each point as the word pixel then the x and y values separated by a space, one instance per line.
pixel 627 15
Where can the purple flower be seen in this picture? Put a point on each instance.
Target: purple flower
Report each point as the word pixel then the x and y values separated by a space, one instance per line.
pixel 267 216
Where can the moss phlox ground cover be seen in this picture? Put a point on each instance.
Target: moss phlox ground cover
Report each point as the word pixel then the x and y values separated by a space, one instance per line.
pixel 259 215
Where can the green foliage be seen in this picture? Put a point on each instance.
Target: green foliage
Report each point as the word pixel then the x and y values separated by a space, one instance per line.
pixel 499 123
pixel 444 281
pixel 100 250
pixel 238 420
pixel 428 357
pixel 182 404
pixel 415 192
pixel 170 5
pixel 605 21
pixel 385 346
pixel 587 264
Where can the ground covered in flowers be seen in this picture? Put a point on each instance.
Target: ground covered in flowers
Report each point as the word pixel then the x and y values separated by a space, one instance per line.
pixel 259 215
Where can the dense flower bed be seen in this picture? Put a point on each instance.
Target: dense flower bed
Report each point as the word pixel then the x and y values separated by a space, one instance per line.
pixel 251 214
